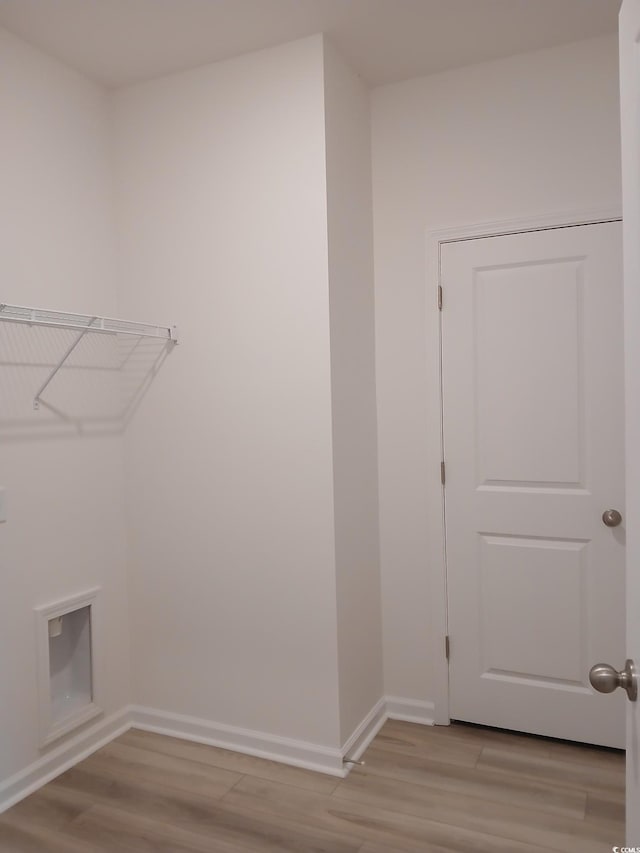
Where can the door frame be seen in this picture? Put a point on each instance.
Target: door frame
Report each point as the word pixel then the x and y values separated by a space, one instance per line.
pixel 435 521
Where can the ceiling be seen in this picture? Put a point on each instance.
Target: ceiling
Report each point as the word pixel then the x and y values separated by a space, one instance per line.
pixel 117 42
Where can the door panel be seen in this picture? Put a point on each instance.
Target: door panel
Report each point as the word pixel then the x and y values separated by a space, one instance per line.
pixel 539 442
pixel 630 125
pixel 512 645
pixel 533 434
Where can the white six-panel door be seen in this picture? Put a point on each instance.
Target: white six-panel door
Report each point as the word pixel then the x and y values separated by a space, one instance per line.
pixel 533 413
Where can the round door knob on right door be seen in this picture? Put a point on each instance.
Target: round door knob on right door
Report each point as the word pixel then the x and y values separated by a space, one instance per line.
pixel 605 679
pixel 611 517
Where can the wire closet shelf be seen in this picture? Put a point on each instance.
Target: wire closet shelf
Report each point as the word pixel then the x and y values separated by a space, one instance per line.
pixel 83 324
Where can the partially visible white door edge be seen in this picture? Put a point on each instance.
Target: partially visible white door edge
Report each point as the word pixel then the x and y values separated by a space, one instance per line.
pixel 435 558
pixel 630 128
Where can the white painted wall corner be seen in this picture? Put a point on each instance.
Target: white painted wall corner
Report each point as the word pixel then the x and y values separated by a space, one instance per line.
pixel 365 732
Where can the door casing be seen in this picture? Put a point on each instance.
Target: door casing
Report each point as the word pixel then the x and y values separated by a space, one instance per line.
pixel 436 554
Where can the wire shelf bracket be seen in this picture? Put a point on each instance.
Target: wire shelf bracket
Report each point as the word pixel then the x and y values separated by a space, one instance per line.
pixel 84 324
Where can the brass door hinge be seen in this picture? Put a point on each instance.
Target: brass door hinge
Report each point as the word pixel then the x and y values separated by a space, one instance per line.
pixel 443 475
pixel 447 647
pixel 440 297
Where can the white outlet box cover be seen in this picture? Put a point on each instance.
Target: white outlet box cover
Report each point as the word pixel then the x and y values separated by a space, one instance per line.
pixel 58 718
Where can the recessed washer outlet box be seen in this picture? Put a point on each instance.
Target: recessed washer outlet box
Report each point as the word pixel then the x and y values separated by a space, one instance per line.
pixel 67 641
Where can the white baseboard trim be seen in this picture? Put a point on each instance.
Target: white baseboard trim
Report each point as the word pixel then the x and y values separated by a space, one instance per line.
pixel 410 710
pixel 310 756
pixel 55 762
pixel 365 732
pixel 298 753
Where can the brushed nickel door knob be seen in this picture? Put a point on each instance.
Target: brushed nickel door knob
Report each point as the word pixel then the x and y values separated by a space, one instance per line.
pixel 605 679
pixel 611 517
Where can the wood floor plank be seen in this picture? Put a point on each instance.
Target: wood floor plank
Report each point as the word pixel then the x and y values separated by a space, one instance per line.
pixel 46 810
pixel 463 733
pixel 382 847
pixel 476 782
pixel 16 838
pixel 126 761
pixel 202 815
pixel 406 739
pixel 585 754
pixel 606 807
pixel 554 771
pixel 504 821
pixel 121 830
pixel 198 780
pixel 397 831
pixel 234 761
pixel 424 789
pixel 91 785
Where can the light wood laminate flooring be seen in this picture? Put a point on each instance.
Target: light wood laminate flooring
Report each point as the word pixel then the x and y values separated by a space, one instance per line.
pixel 423 790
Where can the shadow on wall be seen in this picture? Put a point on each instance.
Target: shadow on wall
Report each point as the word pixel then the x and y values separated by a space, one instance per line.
pixel 96 391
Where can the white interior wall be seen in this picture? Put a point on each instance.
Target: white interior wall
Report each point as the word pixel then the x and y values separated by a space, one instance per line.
pixel 233 533
pixel 532 134
pixel 65 529
pixel 351 297
pixel 223 231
